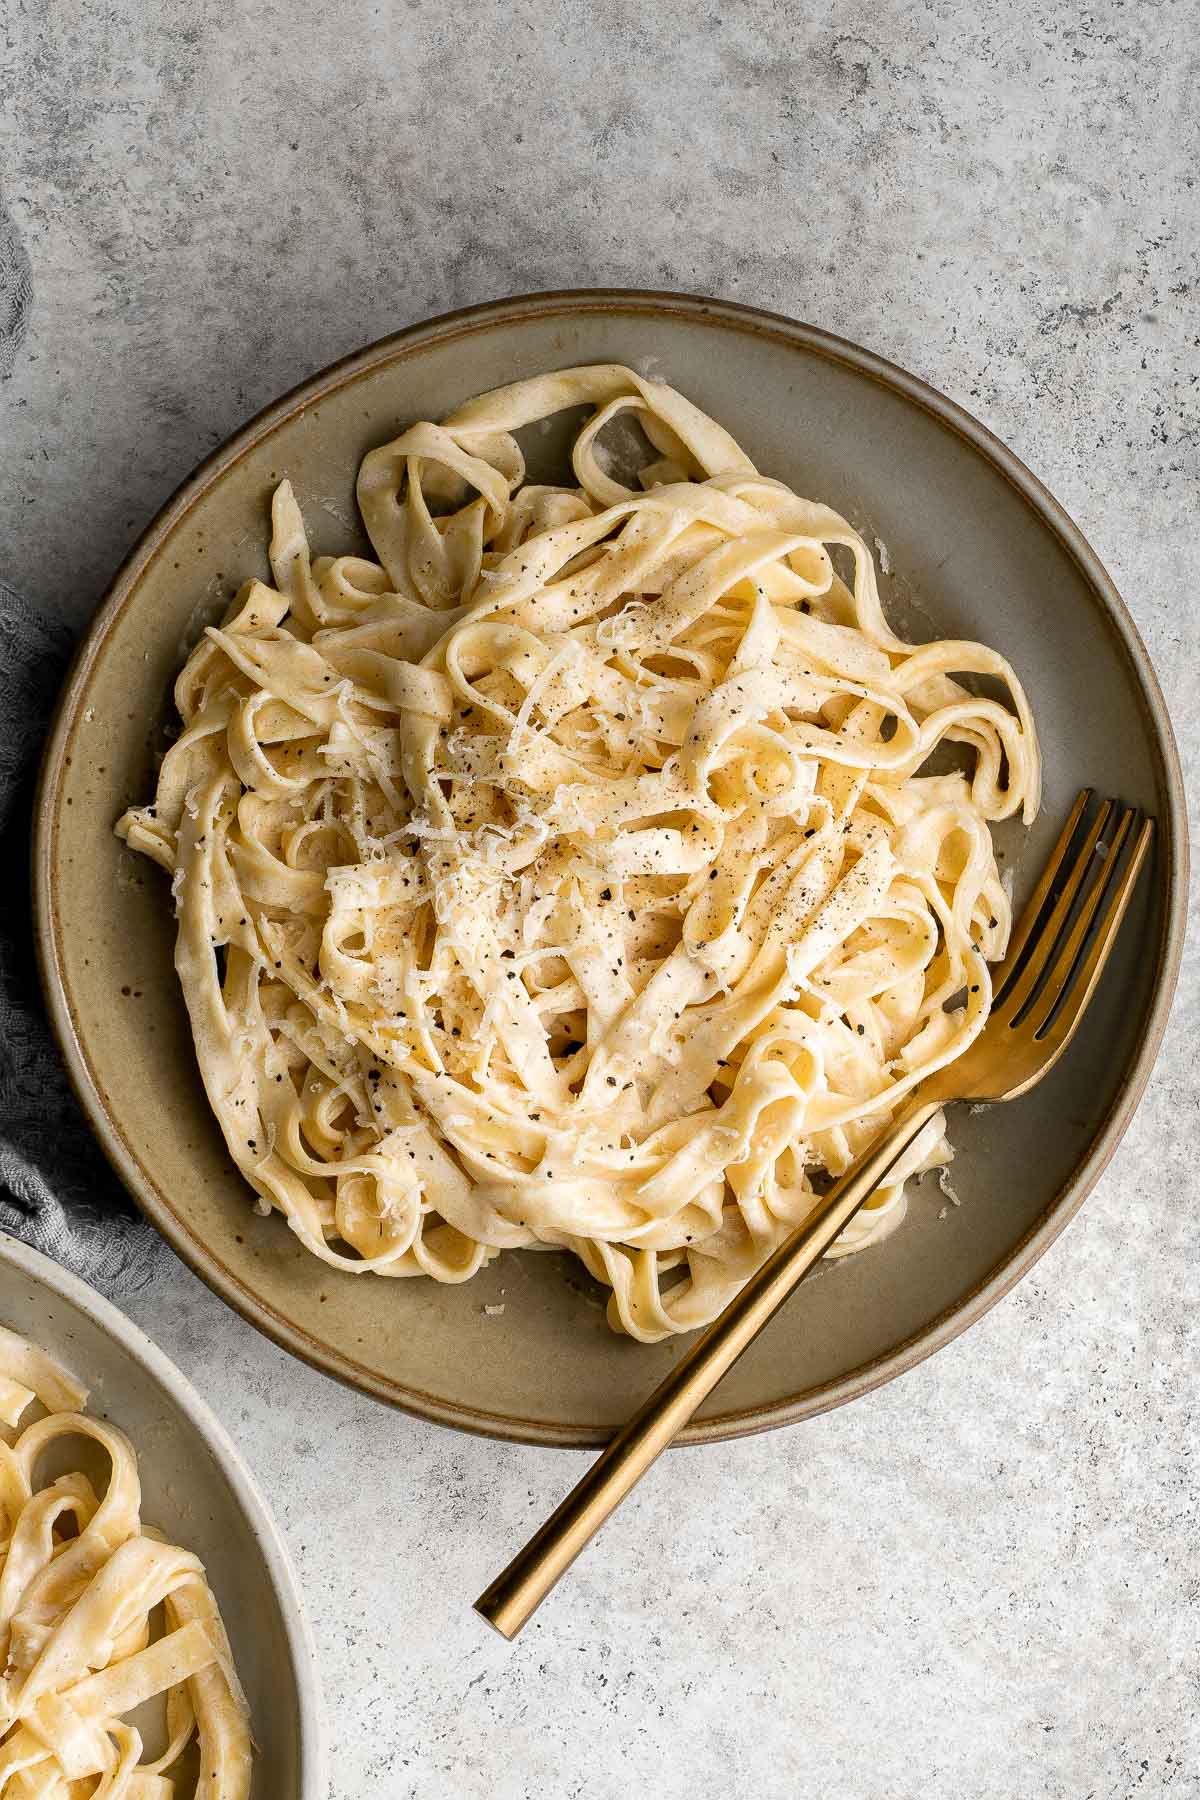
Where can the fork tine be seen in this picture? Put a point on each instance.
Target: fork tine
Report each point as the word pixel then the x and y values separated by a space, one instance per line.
pixel 1062 959
pixel 1023 929
pixel 1062 1029
pixel 1012 996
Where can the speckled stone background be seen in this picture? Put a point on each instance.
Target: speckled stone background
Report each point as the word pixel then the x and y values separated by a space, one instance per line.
pixel 982 1582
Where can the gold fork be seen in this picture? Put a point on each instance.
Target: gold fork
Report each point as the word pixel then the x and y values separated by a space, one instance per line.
pixel 1040 992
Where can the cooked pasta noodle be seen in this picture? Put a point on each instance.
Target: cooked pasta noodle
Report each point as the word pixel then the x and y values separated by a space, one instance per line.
pixel 572 874
pixel 80 1581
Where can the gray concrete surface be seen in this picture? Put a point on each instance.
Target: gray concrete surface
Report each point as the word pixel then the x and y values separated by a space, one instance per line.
pixel 980 1583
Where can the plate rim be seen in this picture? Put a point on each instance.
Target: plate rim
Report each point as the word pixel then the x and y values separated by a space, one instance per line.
pixel 395 347
pixel 43 1272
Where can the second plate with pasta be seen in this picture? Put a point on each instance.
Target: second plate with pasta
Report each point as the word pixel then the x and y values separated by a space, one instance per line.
pixel 155 1636
pixel 586 857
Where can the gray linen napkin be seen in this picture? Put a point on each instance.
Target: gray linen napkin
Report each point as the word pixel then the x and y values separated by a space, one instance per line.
pixel 56 1190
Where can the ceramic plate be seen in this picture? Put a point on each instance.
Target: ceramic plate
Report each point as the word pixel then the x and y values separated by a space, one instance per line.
pixel 196 1490
pixel 977 549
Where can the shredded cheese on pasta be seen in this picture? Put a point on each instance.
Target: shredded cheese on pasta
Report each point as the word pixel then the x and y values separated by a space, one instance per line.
pixel 572 875
pixel 80 1581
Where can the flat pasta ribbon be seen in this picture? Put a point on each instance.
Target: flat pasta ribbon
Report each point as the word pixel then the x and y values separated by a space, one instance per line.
pixel 81 1582
pixel 596 870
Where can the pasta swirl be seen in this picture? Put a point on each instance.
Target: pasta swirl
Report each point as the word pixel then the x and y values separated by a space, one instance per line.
pixel 80 1579
pixel 574 875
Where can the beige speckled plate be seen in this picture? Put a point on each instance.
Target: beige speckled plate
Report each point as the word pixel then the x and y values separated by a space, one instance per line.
pixel 979 550
pixel 197 1490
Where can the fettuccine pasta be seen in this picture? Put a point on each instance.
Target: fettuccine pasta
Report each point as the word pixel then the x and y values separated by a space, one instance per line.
pixel 571 874
pixel 80 1581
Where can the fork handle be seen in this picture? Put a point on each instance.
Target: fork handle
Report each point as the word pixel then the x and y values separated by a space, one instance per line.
pixel 524 1584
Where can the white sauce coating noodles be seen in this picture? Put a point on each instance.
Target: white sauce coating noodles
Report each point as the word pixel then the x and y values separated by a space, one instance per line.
pixel 80 1581
pixel 574 872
